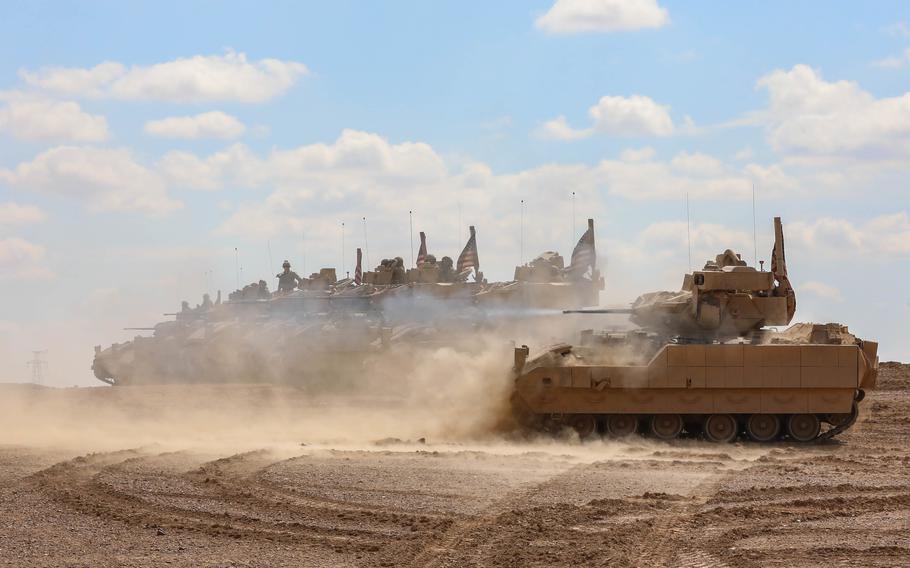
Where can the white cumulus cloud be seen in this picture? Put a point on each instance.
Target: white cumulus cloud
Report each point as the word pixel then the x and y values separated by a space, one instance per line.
pixel 12 213
pixel 893 61
pixel 821 290
pixel 698 164
pixel 883 237
pixel 39 118
pixel 213 124
pixel 365 165
pixel 810 117
pixel 22 260
pixel 106 179
pixel 636 115
pixel 559 129
pixel 354 153
pixel 631 116
pixel 583 16
pixel 898 29
pixel 201 78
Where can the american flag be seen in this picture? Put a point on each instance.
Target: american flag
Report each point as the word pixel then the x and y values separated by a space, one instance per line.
pixel 358 270
pixel 422 253
pixel 468 257
pixel 779 267
pixel 584 255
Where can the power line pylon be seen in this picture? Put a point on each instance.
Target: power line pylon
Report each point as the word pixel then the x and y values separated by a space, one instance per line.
pixel 38 366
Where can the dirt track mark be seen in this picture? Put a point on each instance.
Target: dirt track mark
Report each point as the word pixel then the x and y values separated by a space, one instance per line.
pixel 668 541
pixel 91 486
pixel 465 533
pixel 515 531
pixel 244 478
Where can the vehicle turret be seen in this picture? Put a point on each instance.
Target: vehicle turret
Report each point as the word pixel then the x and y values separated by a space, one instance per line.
pixel 727 298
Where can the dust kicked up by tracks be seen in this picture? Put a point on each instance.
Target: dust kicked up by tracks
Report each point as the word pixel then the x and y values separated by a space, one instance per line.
pixel 235 487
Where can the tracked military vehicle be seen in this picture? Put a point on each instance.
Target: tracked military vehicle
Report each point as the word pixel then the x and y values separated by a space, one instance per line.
pixel 323 331
pixel 704 361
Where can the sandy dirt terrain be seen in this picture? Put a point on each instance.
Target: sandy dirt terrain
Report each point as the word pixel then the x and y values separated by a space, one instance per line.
pixel 186 476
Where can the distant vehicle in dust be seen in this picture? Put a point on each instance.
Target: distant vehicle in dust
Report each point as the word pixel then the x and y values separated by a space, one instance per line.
pixel 316 329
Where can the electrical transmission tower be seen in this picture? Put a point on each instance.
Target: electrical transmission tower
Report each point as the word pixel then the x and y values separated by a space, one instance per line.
pixel 38 366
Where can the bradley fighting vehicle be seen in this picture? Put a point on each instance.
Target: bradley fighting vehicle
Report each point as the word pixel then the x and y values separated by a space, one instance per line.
pixel 320 334
pixel 703 361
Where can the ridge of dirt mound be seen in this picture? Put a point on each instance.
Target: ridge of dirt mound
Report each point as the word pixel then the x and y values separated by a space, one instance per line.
pixel 893 376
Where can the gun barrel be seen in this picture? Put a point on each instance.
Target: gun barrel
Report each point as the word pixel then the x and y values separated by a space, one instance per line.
pixel 600 311
pixel 139 329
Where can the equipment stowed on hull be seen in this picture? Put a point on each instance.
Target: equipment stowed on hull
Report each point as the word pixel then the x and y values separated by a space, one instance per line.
pixel 702 362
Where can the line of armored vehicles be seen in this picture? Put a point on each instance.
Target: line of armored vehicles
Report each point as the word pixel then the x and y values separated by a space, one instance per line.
pixel 324 326
pixel 710 359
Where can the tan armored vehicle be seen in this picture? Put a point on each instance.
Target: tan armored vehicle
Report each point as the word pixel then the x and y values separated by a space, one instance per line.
pixel 703 362
pixel 327 327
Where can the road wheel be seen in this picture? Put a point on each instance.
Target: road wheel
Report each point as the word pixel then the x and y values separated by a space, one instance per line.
pixel 763 427
pixel 720 428
pixel 621 425
pixel 666 426
pixel 584 424
pixel 803 427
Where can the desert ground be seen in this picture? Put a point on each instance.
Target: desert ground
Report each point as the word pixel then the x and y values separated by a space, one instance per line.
pixel 189 476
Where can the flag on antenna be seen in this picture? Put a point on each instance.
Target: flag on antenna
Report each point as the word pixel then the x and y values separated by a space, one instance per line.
pixel 779 269
pixel 422 252
pixel 468 257
pixel 584 255
pixel 358 270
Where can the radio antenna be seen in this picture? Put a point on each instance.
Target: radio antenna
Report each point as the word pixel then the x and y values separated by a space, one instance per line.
pixel 572 240
pixel 411 224
pixel 688 232
pixel 521 240
pixel 366 244
pixel 237 266
pixel 754 232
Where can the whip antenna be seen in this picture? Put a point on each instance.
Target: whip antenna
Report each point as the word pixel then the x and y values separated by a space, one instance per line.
pixel 754 237
pixel 366 245
pixel 237 266
pixel 521 239
pixel 342 246
pixel 688 232
pixel 572 240
pixel 411 223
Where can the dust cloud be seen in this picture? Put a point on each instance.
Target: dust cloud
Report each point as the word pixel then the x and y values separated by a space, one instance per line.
pixel 446 379
pixel 453 392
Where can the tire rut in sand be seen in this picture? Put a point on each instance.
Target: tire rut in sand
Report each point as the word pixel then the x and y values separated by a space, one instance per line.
pixel 668 540
pixel 528 527
pixel 223 500
pixel 468 534
pixel 244 478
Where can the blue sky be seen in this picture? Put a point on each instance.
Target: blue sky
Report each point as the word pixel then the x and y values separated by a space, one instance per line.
pixel 212 125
